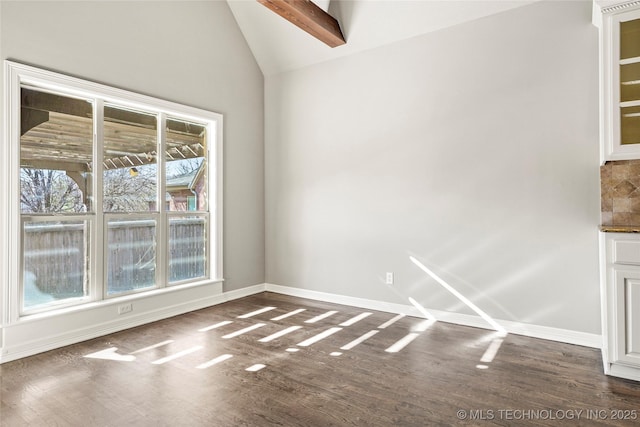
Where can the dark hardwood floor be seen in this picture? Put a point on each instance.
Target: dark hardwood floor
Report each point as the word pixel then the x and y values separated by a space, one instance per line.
pixel 341 370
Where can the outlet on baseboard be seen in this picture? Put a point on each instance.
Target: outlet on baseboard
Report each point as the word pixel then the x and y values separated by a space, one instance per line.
pixel 125 308
pixel 389 279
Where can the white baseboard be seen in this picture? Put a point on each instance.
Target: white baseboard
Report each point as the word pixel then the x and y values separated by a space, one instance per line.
pixel 535 331
pixel 51 334
pixel 369 304
pixel 622 371
pixel 243 292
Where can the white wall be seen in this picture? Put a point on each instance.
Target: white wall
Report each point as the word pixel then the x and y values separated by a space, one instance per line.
pixel 474 148
pixel 187 52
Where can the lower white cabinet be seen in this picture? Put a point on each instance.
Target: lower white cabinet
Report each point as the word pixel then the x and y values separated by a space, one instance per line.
pixel 620 290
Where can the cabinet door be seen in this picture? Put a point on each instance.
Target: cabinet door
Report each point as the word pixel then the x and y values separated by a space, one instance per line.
pixel 622 72
pixel 624 338
pixel 629 75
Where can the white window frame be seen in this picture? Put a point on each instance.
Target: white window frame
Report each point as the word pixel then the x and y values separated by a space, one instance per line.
pixel 16 75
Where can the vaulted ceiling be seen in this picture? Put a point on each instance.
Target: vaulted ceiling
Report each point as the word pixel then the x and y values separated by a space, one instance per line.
pixel 280 46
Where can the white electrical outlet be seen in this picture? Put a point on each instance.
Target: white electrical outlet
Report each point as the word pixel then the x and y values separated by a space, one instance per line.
pixel 125 308
pixel 389 280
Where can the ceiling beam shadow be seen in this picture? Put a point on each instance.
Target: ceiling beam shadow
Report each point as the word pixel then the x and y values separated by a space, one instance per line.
pixel 310 18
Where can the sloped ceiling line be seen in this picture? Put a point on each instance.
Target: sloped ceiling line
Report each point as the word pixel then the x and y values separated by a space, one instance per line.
pixel 279 46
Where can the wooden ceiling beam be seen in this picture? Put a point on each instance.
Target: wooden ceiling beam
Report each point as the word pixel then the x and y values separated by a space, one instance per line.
pixel 308 16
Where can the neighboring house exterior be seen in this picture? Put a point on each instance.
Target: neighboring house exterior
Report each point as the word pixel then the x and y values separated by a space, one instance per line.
pixel 186 192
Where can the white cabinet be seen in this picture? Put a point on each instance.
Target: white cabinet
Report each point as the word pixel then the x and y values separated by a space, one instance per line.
pixel 619 23
pixel 620 290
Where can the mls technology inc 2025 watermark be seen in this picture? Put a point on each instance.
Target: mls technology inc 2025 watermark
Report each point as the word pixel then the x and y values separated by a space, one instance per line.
pixel 547 414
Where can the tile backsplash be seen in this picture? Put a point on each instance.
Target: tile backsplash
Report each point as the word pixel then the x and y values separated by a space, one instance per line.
pixel 620 192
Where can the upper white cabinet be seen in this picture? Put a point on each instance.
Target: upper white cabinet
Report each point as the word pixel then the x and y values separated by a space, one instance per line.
pixel 619 24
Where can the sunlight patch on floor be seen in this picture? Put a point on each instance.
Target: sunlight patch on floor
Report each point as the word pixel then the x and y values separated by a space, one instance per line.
pixel 490 353
pixel 216 326
pixel 391 321
pixel 151 347
pixel 256 367
pixel 321 317
pixel 255 313
pixel 355 319
pixel 215 361
pixel 289 314
pixel 280 333
pixel 402 343
pixel 415 331
pixel 244 331
pixel 423 326
pixel 359 340
pixel 111 354
pixel 492 350
pixel 319 337
pixel 177 355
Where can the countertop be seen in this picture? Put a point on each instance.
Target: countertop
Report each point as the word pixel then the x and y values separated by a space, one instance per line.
pixel 620 228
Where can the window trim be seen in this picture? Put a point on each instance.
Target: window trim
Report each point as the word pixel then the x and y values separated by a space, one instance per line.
pixel 17 75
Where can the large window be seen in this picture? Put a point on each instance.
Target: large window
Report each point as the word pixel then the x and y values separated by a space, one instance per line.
pixel 115 193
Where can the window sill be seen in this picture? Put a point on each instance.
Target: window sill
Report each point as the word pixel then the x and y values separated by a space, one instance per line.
pixel 114 301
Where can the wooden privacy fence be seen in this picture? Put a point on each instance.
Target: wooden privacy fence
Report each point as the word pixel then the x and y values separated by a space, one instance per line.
pixel 56 255
pixel 131 255
pixel 187 243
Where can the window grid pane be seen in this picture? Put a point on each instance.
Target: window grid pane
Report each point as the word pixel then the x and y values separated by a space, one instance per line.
pixel 186 166
pixel 131 255
pixel 129 160
pixel 187 248
pixel 54 261
pixel 56 153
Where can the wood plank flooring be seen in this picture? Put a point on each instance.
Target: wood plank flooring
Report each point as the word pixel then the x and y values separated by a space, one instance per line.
pixel 313 364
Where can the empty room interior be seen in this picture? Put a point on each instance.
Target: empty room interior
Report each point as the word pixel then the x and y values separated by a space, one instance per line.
pixel 344 212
